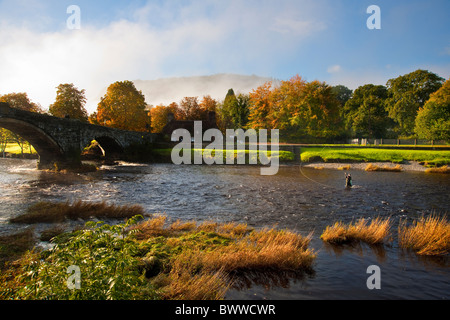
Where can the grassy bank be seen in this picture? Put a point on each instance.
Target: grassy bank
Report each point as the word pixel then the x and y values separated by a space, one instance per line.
pixel 249 156
pixel 335 154
pixel 155 259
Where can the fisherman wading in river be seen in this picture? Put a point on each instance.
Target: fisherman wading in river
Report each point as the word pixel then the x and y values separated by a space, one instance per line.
pixel 348 180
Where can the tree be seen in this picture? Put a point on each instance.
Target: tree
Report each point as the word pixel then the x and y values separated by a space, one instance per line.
pixel 342 93
pixel 234 111
pixel 123 107
pixel 407 94
pixel 160 116
pixel 190 109
pixel 261 107
pixel 365 112
pixel 433 120
pixel 69 103
pixel 21 101
pixel 318 111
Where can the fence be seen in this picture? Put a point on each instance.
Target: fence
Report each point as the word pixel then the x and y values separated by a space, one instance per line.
pixel 398 142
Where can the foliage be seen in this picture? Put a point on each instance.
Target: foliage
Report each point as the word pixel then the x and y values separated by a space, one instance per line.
pixel 106 256
pixel 21 101
pixel 365 114
pixel 123 107
pixel 160 116
pixel 407 94
pixel 433 120
pixel 234 111
pixel 69 103
pixel 296 107
pixel 342 93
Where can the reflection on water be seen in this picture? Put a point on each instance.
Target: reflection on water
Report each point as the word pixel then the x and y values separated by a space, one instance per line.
pixel 301 199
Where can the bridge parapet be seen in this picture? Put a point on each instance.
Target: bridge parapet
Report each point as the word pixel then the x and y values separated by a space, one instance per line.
pixel 62 140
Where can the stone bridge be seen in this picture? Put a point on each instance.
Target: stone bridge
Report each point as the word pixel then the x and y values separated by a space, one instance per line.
pixel 61 140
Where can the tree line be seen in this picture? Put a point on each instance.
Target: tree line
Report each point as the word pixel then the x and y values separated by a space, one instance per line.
pixel 416 104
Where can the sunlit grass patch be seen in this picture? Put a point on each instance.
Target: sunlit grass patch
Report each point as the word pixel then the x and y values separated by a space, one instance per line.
pixel 427 236
pixel 54 212
pixel 443 169
pixel 375 232
pixel 217 253
pixel 372 167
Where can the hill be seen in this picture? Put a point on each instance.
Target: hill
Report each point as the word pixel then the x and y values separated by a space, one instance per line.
pixel 168 90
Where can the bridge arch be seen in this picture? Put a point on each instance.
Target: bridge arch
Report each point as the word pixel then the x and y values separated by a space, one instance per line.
pixel 108 145
pixel 46 147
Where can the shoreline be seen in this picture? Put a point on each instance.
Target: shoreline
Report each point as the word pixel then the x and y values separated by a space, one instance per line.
pixel 406 166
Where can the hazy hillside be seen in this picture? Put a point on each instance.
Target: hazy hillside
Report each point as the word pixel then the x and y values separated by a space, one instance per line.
pixel 167 90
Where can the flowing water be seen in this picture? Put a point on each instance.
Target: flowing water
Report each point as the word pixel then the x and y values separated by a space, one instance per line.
pixel 301 199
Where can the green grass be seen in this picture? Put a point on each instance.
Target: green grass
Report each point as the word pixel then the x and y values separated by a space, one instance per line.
pixel 332 154
pixel 14 148
pixel 282 155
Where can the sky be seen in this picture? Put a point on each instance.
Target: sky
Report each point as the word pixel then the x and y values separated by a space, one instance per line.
pixel 116 40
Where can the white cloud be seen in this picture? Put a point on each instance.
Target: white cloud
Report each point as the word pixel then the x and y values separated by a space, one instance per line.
pixel 170 39
pixel 334 69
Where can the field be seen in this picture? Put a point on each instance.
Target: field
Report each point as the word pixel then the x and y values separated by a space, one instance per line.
pixel 336 154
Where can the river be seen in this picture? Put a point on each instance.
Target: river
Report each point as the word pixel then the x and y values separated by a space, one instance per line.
pixel 302 199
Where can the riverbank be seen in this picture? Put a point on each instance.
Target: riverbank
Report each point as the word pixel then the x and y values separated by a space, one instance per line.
pixel 184 260
pixel 347 166
pixel 407 157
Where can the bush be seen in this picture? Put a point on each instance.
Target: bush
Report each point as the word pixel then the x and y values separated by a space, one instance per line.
pixel 106 258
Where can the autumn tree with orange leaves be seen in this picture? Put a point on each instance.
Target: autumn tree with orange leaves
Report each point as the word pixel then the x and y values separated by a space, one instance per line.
pixel 297 107
pixel 123 107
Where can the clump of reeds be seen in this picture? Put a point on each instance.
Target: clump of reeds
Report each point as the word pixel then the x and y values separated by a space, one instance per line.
pixel 443 169
pixel 202 261
pixel 51 212
pixel 346 167
pixel 14 245
pixel 375 232
pixel 427 236
pixel 372 167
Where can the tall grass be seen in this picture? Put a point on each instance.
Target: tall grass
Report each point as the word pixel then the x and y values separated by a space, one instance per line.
pixel 443 169
pixel 51 212
pixel 372 167
pixel 202 261
pixel 375 232
pixel 427 236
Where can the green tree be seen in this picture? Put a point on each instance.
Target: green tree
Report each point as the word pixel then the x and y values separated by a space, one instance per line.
pixel 407 94
pixel 226 110
pixel 123 107
pixel 342 93
pixel 69 102
pixel 433 120
pixel 365 114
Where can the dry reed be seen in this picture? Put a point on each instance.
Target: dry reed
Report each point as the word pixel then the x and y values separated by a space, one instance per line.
pixel 374 233
pixel 428 236
pixel 346 167
pixel 50 212
pixel 443 169
pixel 372 167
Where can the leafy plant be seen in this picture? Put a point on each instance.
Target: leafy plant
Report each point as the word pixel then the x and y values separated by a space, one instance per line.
pixel 107 261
